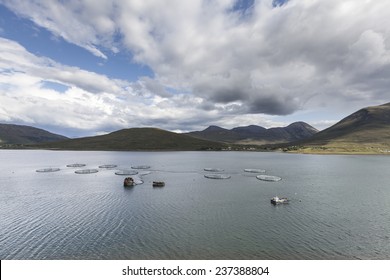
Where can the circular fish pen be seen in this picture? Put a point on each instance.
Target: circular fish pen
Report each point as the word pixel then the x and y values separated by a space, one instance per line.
pixel 268 178
pixel 86 171
pixel 213 169
pixel 108 166
pixel 217 176
pixel 46 170
pixel 76 165
pixel 250 170
pixel 140 167
pixel 126 172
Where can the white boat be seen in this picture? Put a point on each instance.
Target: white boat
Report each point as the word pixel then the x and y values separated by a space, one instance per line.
pixel 277 200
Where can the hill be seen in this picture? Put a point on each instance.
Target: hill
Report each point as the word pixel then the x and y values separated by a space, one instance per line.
pixel 215 133
pixel 21 134
pixel 254 134
pixel 136 139
pixel 365 131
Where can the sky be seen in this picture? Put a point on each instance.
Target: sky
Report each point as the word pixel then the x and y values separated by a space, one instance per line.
pixel 84 67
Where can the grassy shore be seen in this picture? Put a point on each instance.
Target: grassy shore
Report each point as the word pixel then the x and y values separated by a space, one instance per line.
pixel 342 148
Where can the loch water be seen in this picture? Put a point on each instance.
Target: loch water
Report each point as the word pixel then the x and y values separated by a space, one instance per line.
pixel 339 206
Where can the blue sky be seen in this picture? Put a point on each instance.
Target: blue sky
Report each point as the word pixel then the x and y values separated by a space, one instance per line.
pixel 84 67
pixel 42 42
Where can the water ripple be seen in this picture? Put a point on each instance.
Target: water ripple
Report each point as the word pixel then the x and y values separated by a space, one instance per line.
pixel 64 216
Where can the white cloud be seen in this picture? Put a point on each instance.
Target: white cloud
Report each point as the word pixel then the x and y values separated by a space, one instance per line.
pixel 268 60
pixel 71 20
pixel 90 102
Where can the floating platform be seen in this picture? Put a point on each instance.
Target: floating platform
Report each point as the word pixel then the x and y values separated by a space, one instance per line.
pixel 268 178
pixel 214 169
pixel 128 182
pixel 76 165
pixel 44 170
pixel 140 167
pixel 108 166
pixel 126 172
pixel 86 171
pixel 217 176
pixel 158 184
pixel 250 170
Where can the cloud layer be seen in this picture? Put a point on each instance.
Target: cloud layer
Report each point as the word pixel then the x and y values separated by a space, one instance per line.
pixel 215 60
pixel 39 91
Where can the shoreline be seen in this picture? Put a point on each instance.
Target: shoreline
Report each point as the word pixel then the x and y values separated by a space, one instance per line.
pixel 297 151
pixel 338 151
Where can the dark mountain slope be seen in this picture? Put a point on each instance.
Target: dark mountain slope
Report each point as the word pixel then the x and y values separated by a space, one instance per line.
pixel 136 139
pixel 256 134
pixel 365 131
pixel 21 134
pixel 368 125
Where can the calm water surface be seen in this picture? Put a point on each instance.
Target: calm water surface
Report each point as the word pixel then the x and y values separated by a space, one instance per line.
pixel 339 209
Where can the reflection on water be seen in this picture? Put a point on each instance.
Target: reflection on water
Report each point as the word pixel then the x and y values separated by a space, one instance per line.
pixel 339 207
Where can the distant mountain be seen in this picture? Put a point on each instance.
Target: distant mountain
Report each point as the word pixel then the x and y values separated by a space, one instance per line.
pixel 254 134
pixel 366 131
pixel 21 134
pixel 136 139
pixel 215 133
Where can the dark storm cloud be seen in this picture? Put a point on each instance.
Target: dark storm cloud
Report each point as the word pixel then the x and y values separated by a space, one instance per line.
pixel 273 105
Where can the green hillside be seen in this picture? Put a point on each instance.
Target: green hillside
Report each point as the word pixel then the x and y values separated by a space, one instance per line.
pixel 136 139
pixel 366 131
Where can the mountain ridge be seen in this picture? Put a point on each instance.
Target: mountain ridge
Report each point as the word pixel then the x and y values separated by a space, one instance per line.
pixel 366 131
pixel 254 134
